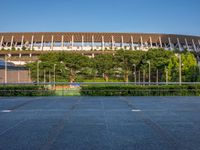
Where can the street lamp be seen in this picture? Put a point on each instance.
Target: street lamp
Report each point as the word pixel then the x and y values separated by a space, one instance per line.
pixel 6 69
pixel 139 77
pixel 149 71
pixel 29 75
pixel 18 72
pixel 54 70
pixel 134 65
pixel 44 76
pixel 144 76
pixel 180 74
pixel 157 76
pixel 166 75
pixel 38 71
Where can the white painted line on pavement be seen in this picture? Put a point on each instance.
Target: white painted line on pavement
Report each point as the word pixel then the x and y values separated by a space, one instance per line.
pixel 6 111
pixel 136 110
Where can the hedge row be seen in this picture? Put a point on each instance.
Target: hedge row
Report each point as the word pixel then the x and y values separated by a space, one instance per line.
pixel 24 90
pixel 139 90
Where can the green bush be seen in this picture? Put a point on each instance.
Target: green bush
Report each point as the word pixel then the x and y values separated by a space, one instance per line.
pixel 24 90
pixel 140 90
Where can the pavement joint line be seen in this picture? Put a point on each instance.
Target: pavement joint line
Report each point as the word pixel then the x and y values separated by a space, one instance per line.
pixel 155 126
pixel 8 129
pixel 60 126
pixel 21 105
pixel 106 124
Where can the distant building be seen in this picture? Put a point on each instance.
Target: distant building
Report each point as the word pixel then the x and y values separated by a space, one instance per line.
pixel 14 74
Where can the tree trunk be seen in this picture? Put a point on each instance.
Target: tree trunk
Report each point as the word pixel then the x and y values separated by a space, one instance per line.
pixel 72 76
pixel 126 76
pixel 106 78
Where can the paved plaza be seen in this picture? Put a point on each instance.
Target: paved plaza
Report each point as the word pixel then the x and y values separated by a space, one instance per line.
pixel 100 123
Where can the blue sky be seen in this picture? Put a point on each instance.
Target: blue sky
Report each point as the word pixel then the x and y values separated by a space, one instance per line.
pixel 154 16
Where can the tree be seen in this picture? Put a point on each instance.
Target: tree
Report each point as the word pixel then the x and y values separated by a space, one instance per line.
pixel 74 63
pixel 104 64
pixel 159 58
pixel 189 64
pixel 67 65
pixel 126 59
pixel 173 69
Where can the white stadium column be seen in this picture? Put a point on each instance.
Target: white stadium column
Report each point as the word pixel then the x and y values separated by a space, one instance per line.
pixel 72 41
pixel 187 44
pixel 62 42
pixel 82 45
pixel 141 41
pixel 32 38
pixel 122 40
pixel 194 46
pixel 11 43
pixel 151 41
pixel 103 44
pixel 170 44
pixel 1 44
pixel 52 42
pixel 132 42
pixel 179 44
pixel 160 40
pixel 22 42
pixel 92 42
pixel 112 40
pixel 42 42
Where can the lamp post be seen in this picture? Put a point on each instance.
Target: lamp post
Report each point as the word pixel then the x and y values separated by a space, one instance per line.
pixel 18 72
pixel 54 77
pixel 180 73
pixel 144 76
pixel 38 71
pixel 166 74
pixel 134 65
pixel 44 76
pixel 149 71
pixel 6 69
pixel 139 77
pixel 29 75
pixel 157 76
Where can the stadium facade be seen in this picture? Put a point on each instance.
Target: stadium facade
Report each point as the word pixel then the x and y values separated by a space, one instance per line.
pixel 84 41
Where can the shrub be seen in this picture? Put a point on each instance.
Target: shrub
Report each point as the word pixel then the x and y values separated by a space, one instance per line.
pixel 139 90
pixel 24 90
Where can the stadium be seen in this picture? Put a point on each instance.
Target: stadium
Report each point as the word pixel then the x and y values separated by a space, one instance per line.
pixel 86 41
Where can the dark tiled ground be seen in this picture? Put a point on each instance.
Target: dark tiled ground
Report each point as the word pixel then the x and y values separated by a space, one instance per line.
pixel 92 123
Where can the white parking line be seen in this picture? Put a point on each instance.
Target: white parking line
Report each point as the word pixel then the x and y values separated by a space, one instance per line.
pixel 136 110
pixel 6 111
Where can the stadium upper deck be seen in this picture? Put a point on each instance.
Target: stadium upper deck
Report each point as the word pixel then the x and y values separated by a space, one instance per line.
pixel 96 41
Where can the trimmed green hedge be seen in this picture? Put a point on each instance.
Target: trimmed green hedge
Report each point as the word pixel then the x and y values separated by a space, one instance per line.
pixel 139 90
pixel 24 90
